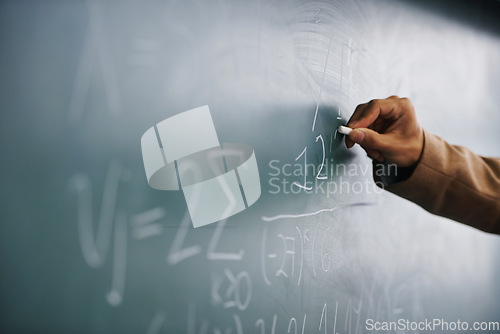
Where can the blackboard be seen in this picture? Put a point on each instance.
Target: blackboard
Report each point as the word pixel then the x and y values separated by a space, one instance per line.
pixel 87 246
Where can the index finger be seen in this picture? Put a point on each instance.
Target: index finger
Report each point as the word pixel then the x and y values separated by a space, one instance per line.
pixel 388 109
pixel 358 113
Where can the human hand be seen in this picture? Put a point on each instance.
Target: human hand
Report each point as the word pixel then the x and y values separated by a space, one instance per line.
pixel 387 129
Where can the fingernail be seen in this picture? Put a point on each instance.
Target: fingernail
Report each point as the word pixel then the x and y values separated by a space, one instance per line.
pixel 357 136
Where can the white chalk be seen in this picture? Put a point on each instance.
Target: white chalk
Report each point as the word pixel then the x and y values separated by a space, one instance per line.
pixel 344 130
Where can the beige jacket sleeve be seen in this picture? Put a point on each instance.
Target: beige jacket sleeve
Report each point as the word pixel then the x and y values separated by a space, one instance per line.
pixel 453 182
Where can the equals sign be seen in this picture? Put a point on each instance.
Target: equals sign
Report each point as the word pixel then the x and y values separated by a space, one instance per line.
pixel 145 224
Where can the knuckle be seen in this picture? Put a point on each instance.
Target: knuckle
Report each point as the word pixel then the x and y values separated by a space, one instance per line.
pixel 406 103
pixel 373 102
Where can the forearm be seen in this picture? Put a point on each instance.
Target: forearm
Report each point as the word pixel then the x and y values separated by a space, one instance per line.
pixel 453 182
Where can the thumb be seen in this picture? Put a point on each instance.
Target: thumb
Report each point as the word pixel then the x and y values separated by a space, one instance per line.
pixel 368 139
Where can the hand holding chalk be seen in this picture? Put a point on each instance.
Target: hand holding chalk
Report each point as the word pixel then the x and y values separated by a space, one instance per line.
pixel 344 130
pixel 387 129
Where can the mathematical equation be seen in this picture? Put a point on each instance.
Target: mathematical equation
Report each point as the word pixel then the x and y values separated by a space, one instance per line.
pixel 286 256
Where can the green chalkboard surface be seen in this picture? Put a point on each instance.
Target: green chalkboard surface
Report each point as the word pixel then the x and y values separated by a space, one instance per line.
pixel 307 243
